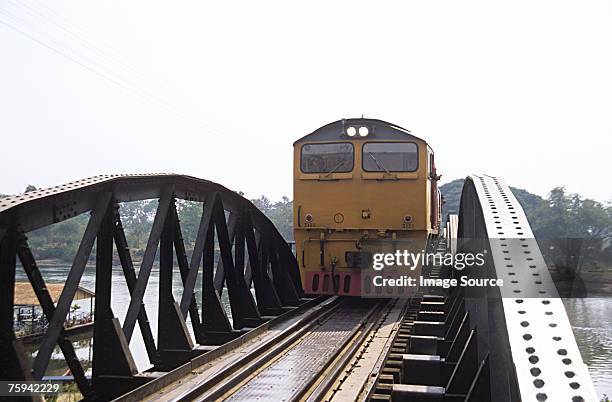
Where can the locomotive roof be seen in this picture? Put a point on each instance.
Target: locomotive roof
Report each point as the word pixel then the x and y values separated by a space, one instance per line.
pixel 378 130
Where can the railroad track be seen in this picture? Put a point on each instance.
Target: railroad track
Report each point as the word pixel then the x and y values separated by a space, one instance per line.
pixel 299 367
pixel 292 368
pixel 328 349
pixel 296 357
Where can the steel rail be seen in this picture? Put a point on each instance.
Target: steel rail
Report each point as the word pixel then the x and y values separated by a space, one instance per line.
pixel 167 379
pixel 347 355
pixel 251 371
pixel 226 378
pixel 338 364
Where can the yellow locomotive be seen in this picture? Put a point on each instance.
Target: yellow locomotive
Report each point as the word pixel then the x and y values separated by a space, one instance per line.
pixel 361 186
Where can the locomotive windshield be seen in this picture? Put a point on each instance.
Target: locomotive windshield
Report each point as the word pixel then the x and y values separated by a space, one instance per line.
pixel 327 158
pixel 390 157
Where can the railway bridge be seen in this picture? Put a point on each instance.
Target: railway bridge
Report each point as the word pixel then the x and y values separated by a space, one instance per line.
pixel 274 342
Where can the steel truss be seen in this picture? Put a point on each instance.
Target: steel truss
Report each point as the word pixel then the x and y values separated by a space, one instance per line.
pixel 253 255
pixel 523 327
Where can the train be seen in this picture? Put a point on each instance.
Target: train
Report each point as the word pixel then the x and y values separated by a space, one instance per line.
pixel 360 187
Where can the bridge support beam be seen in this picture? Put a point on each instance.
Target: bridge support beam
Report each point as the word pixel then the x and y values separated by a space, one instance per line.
pixel 181 257
pixel 56 322
pixel 282 281
pixel 113 367
pixel 46 302
pixel 267 298
pixel 174 342
pixel 13 364
pixel 130 277
pixel 216 324
pixel 244 309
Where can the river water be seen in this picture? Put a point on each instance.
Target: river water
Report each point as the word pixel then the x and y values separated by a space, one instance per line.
pixel 591 320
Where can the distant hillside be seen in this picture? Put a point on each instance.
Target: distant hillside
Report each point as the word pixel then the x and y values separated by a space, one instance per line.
pixel 452 196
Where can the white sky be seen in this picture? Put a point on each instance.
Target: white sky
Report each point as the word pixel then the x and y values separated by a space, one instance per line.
pixel 519 89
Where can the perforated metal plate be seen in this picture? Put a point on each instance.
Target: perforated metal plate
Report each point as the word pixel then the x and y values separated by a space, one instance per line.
pixel 14 200
pixel 545 354
pixel 43 207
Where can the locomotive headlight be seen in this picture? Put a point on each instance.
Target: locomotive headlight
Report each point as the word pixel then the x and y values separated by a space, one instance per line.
pixel 351 131
pixel 363 131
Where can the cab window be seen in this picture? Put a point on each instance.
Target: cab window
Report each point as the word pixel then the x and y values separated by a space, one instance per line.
pixel 327 158
pixel 390 157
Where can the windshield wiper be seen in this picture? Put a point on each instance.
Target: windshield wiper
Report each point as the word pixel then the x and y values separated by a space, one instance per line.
pixel 335 168
pixel 379 164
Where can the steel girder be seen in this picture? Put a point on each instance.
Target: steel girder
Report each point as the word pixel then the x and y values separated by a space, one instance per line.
pixel 523 326
pixel 252 253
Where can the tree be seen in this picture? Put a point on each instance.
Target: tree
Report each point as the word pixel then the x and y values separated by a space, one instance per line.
pixel 60 240
pixel 190 214
pixel 575 230
pixel 263 204
pixel 137 218
pixel 280 213
pixel 451 192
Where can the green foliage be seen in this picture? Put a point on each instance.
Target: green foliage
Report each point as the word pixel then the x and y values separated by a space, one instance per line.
pixel 530 202
pixel 59 241
pixel 280 213
pixel 137 218
pixel 189 213
pixel 574 232
pixel 569 215
pixel 451 193
pixel 452 197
